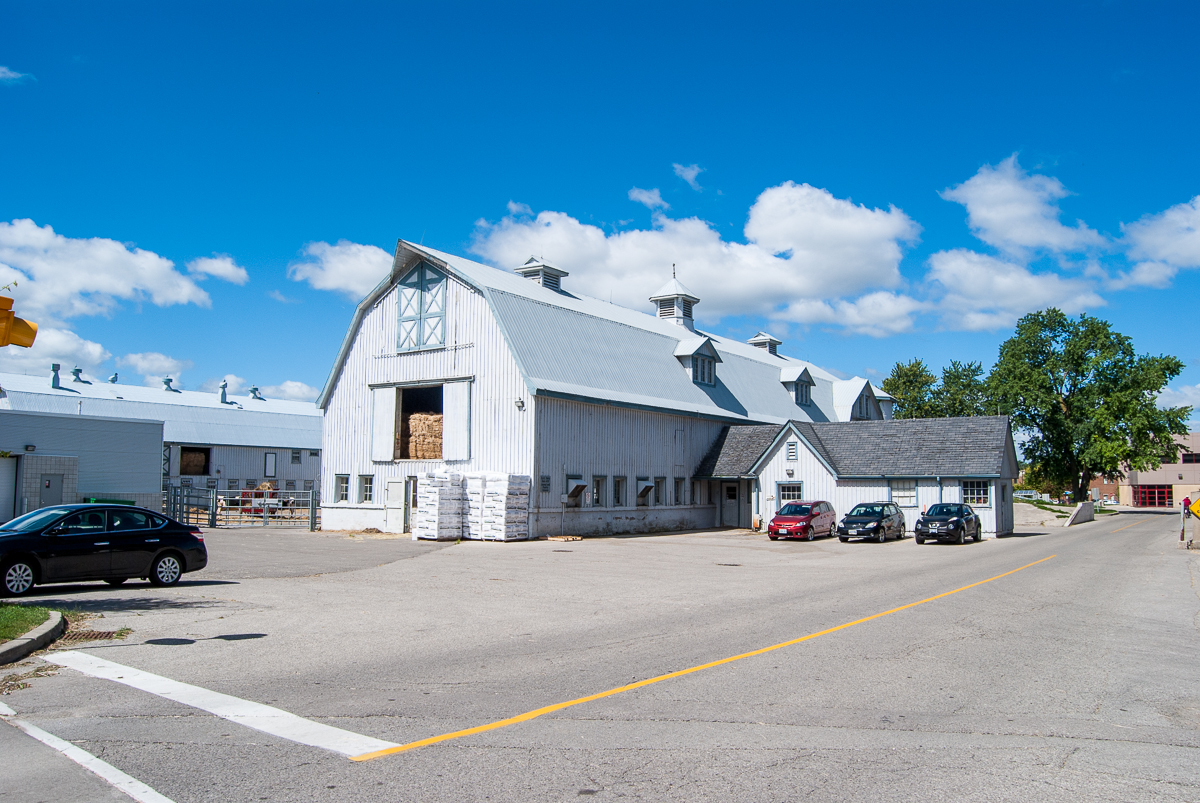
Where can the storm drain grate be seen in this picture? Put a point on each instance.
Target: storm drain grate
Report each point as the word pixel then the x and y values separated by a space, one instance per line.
pixel 73 637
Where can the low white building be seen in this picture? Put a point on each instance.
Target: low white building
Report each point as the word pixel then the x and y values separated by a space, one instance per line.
pixel 209 440
pixel 453 366
pixel 914 463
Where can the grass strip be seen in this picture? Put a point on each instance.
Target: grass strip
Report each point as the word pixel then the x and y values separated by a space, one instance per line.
pixel 17 620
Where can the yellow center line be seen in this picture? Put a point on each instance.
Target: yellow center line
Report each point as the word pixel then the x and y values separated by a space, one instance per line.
pixel 549 709
pixel 1136 523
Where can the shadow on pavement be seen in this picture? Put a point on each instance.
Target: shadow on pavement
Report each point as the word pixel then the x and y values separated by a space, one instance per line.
pixel 114 604
pixel 1024 535
pixel 179 642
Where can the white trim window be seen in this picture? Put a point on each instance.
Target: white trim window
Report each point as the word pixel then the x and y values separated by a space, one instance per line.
pixel 904 492
pixel 790 492
pixel 366 488
pixel 422 303
pixel 977 493
pixel 704 370
pixel 341 486
pixel 793 451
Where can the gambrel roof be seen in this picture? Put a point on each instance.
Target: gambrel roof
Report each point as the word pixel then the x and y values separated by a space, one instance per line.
pixel 980 446
pixel 576 347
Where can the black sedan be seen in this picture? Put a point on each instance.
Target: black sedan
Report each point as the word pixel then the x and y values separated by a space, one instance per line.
pixel 874 520
pixel 68 543
pixel 949 522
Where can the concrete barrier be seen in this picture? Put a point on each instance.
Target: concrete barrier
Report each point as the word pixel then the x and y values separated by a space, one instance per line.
pixel 1084 511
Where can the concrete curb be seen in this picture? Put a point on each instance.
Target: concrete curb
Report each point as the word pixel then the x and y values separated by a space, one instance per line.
pixel 35 639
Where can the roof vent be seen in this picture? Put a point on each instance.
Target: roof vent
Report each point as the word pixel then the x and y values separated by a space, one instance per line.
pixel 254 394
pixel 75 373
pixel 54 376
pixel 543 273
pixel 113 379
pixel 675 302
pixel 167 385
pixel 765 342
pixel 223 387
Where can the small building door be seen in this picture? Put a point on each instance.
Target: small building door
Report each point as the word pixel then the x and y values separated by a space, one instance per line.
pixel 729 504
pixel 51 490
pixel 8 488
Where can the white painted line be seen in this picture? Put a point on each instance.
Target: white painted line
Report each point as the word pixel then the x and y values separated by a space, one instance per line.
pixel 127 784
pixel 5 711
pixel 260 717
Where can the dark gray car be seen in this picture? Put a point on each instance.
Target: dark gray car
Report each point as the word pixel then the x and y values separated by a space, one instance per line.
pixel 949 521
pixel 873 520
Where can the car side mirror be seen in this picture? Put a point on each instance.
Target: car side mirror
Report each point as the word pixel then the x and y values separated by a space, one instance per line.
pixel 55 531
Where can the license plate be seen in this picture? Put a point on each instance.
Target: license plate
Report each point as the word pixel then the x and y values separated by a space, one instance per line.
pixel 783 532
pixel 852 532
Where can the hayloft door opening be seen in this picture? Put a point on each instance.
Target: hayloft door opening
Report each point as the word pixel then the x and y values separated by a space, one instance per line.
pixel 729 504
pixel 419 415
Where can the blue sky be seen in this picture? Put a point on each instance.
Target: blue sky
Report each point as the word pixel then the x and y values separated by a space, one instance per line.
pixel 210 186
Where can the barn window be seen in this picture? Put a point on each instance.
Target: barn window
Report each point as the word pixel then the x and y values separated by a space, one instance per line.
pixel 233 485
pixel 679 485
pixel 703 370
pixel 660 490
pixel 644 487
pixel 422 309
pixel 803 393
pixel 269 464
pixel 366 488
pixel 975 492
pixel 193 461
pixel 792 451
pixel 342 487
pixel 295 457
pixel 574 489
pixel 904 492
pixel 598 497
pixel 618 492
pixel 421 423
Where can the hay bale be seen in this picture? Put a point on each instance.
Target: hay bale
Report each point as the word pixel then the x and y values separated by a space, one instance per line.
pixel 424 436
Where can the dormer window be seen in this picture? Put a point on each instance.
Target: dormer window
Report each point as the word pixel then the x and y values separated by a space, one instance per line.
pixel 703 371
pixel 803 393
pixel 422 304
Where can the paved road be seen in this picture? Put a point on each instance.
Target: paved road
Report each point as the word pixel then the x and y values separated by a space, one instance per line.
pixel 1077 678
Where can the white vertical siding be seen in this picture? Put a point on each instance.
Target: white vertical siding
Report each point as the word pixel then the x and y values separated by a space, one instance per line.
pixel 501 436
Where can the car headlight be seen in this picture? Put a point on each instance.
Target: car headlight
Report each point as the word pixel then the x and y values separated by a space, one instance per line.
pixel 953 520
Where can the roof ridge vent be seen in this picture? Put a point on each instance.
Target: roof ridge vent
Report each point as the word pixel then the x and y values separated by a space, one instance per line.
pixel 113 379
pixel 765 342
pixel 75 374
pixel 675 303
pixel 167 385
pixel 255 394
pixel 538 270
pixel 54 383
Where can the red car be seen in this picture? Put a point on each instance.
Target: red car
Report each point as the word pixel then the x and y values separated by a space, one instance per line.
pixel 803 520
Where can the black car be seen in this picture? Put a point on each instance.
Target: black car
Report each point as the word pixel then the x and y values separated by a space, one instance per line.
pixel 66 543
pixel 875 520
pixel 949 522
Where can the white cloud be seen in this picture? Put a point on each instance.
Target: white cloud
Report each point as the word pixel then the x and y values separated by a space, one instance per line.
pixel 876 314
pixel 688 173
pixel 515 208
pixel 281 298
pixel 803 243
pixel 236 384
pixel 347 268
pixel 54 346
pixel 221 266
pixel 1163 244
pixel 651 199
pixel 1185 396
pixel 1018 213
pixel 153 366
pixel 62 277
pixel 8 76
pixel 985 292
pixel 292 391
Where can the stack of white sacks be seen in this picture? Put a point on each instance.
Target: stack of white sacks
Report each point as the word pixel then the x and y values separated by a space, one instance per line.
pixel 439 513
pixel 481 506
pixel 506 507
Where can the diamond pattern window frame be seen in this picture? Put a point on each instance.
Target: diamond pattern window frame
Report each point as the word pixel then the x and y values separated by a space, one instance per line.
pixel 422 309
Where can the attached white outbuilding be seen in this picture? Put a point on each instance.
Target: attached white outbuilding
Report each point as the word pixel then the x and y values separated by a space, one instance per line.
pixel 914 463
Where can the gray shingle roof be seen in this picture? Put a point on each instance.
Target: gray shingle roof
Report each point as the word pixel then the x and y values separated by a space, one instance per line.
pixel 736 449
pixel 920 447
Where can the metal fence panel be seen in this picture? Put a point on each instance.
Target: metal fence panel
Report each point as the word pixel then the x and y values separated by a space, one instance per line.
pixel 211 507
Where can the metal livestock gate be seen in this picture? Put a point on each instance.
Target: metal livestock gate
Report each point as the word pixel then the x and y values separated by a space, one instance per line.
pixel 233 508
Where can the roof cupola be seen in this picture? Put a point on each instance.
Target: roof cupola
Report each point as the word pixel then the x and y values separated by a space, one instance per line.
pixel 675 302
pixel 765 342
pixel 543 273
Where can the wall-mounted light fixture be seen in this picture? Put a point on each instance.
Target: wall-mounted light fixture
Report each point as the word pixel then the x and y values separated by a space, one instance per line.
pixel 520 404
pixel 791 472
pixel 29 447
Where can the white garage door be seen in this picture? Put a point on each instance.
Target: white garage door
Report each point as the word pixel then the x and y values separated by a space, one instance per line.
pixel 8 488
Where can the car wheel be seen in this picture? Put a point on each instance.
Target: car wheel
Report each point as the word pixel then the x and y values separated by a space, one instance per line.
pixel 166 570
pixel 832 530
pixel 811 534
pixel 116 581
pixel 962 535
pixel 920 538
pixel 18 578
pixel 978 535
pixel 843 538
pixel 882 535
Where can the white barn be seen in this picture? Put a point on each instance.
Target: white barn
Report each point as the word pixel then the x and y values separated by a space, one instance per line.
pixel 450 365
pixel 914 463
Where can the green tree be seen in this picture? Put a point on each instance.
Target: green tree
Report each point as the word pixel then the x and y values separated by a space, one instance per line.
pixel 962 392
pixel 911 385
pixel 1085 399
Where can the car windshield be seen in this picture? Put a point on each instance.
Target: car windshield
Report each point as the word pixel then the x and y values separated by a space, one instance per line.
pixel 867 510
pixel 943 510
pixel 795 510
pixel 35 520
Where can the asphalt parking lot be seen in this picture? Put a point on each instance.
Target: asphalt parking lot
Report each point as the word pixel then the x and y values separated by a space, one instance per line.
pixel 1063 664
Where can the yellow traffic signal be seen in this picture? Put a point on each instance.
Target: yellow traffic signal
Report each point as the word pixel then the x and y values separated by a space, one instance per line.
pixel 15 331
